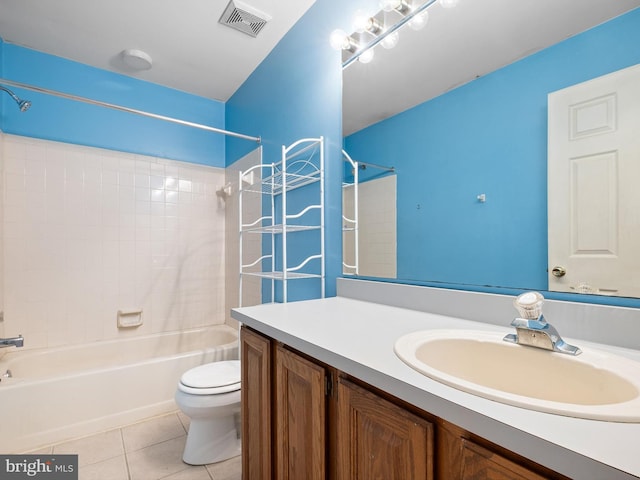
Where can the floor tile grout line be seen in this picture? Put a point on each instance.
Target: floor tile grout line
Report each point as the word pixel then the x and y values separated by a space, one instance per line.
pixel 52 447
pixel 126 456
pixel 184 434
pixel 160 442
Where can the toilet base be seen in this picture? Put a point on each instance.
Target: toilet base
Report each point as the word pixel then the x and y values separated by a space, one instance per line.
pixel 212 441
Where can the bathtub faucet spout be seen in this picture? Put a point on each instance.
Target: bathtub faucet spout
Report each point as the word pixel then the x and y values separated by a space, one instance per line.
pixel 15 341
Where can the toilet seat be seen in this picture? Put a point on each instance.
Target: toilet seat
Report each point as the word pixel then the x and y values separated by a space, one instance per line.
pixel 212 378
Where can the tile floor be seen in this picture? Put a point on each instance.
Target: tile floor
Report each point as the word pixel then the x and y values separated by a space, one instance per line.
pixel 148 450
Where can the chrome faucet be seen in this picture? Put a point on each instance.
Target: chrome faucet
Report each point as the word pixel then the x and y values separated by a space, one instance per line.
pixel 533 330
pixel 15 341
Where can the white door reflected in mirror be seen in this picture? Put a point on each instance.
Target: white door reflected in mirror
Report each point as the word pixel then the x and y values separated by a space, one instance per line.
pixel 593 196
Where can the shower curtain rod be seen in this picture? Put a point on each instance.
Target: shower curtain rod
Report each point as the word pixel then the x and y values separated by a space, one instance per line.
pixel 128 110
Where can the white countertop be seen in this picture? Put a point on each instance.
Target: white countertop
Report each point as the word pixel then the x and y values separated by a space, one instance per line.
pixel 357 337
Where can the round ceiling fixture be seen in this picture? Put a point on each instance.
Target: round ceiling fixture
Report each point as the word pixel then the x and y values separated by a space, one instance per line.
pixel 136 59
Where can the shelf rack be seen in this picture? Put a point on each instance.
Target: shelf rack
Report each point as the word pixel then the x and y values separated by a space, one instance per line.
pixel 301 165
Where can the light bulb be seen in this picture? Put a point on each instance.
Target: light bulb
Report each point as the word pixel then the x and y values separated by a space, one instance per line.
pixel 419 21
pixel 390 40
pixel 399 5
pixel 339 40
pixel 366 56
pixel 361 21
pixel 448 3
pixel 367 24
pixel 389 5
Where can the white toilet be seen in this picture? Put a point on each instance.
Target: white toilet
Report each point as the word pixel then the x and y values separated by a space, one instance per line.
pixel 210 396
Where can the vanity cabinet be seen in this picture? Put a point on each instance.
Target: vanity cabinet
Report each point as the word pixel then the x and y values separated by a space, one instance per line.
pixel 306 420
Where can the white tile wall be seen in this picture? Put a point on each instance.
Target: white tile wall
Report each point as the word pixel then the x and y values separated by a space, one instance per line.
pixel 377 218
pixel 377 228
pixel 89 231
pixel 348 234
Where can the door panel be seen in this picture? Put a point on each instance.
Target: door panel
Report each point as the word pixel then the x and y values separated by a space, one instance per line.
pixel 300 418
pixel 478 463
pixel 256 405
pixel 380 440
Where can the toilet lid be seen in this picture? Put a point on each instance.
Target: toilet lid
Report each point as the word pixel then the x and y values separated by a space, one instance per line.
pixel 216 377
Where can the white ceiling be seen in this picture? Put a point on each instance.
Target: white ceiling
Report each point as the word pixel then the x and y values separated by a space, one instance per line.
pixel 460 44
pixel 191 51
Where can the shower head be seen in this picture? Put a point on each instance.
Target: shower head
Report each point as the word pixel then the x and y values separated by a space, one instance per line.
pixel 23 105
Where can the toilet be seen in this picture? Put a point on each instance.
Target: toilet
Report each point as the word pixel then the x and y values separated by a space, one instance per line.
pixel 210 396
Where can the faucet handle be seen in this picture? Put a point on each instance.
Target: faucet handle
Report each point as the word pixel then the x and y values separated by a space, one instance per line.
pixel 529 305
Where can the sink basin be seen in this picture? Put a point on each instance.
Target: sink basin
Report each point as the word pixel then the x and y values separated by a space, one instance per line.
pixel 594 385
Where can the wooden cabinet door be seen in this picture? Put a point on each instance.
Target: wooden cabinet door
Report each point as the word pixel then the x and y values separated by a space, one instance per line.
pixel 478 463
pixel 256 405
pixel 300 418
pixel 377 439
pixel 463 456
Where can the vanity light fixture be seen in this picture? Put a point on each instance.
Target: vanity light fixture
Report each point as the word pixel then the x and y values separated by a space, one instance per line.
pixel 370 31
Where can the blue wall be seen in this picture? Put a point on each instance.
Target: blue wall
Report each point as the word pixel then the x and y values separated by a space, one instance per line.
pixel 57 119
pixel 444 233
pixel 297 92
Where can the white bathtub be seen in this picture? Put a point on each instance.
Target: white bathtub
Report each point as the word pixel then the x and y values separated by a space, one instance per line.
pixel 62 393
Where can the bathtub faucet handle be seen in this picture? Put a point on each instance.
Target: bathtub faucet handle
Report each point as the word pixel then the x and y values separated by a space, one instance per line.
pixel 15 341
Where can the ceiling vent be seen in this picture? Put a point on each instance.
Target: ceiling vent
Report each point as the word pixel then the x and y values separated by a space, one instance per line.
pixel 243 17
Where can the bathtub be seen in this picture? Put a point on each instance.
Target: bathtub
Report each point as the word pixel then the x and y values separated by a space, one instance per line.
pixel 61 393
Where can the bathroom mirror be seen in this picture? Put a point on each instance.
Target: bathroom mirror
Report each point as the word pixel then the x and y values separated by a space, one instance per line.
pixel 459 109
